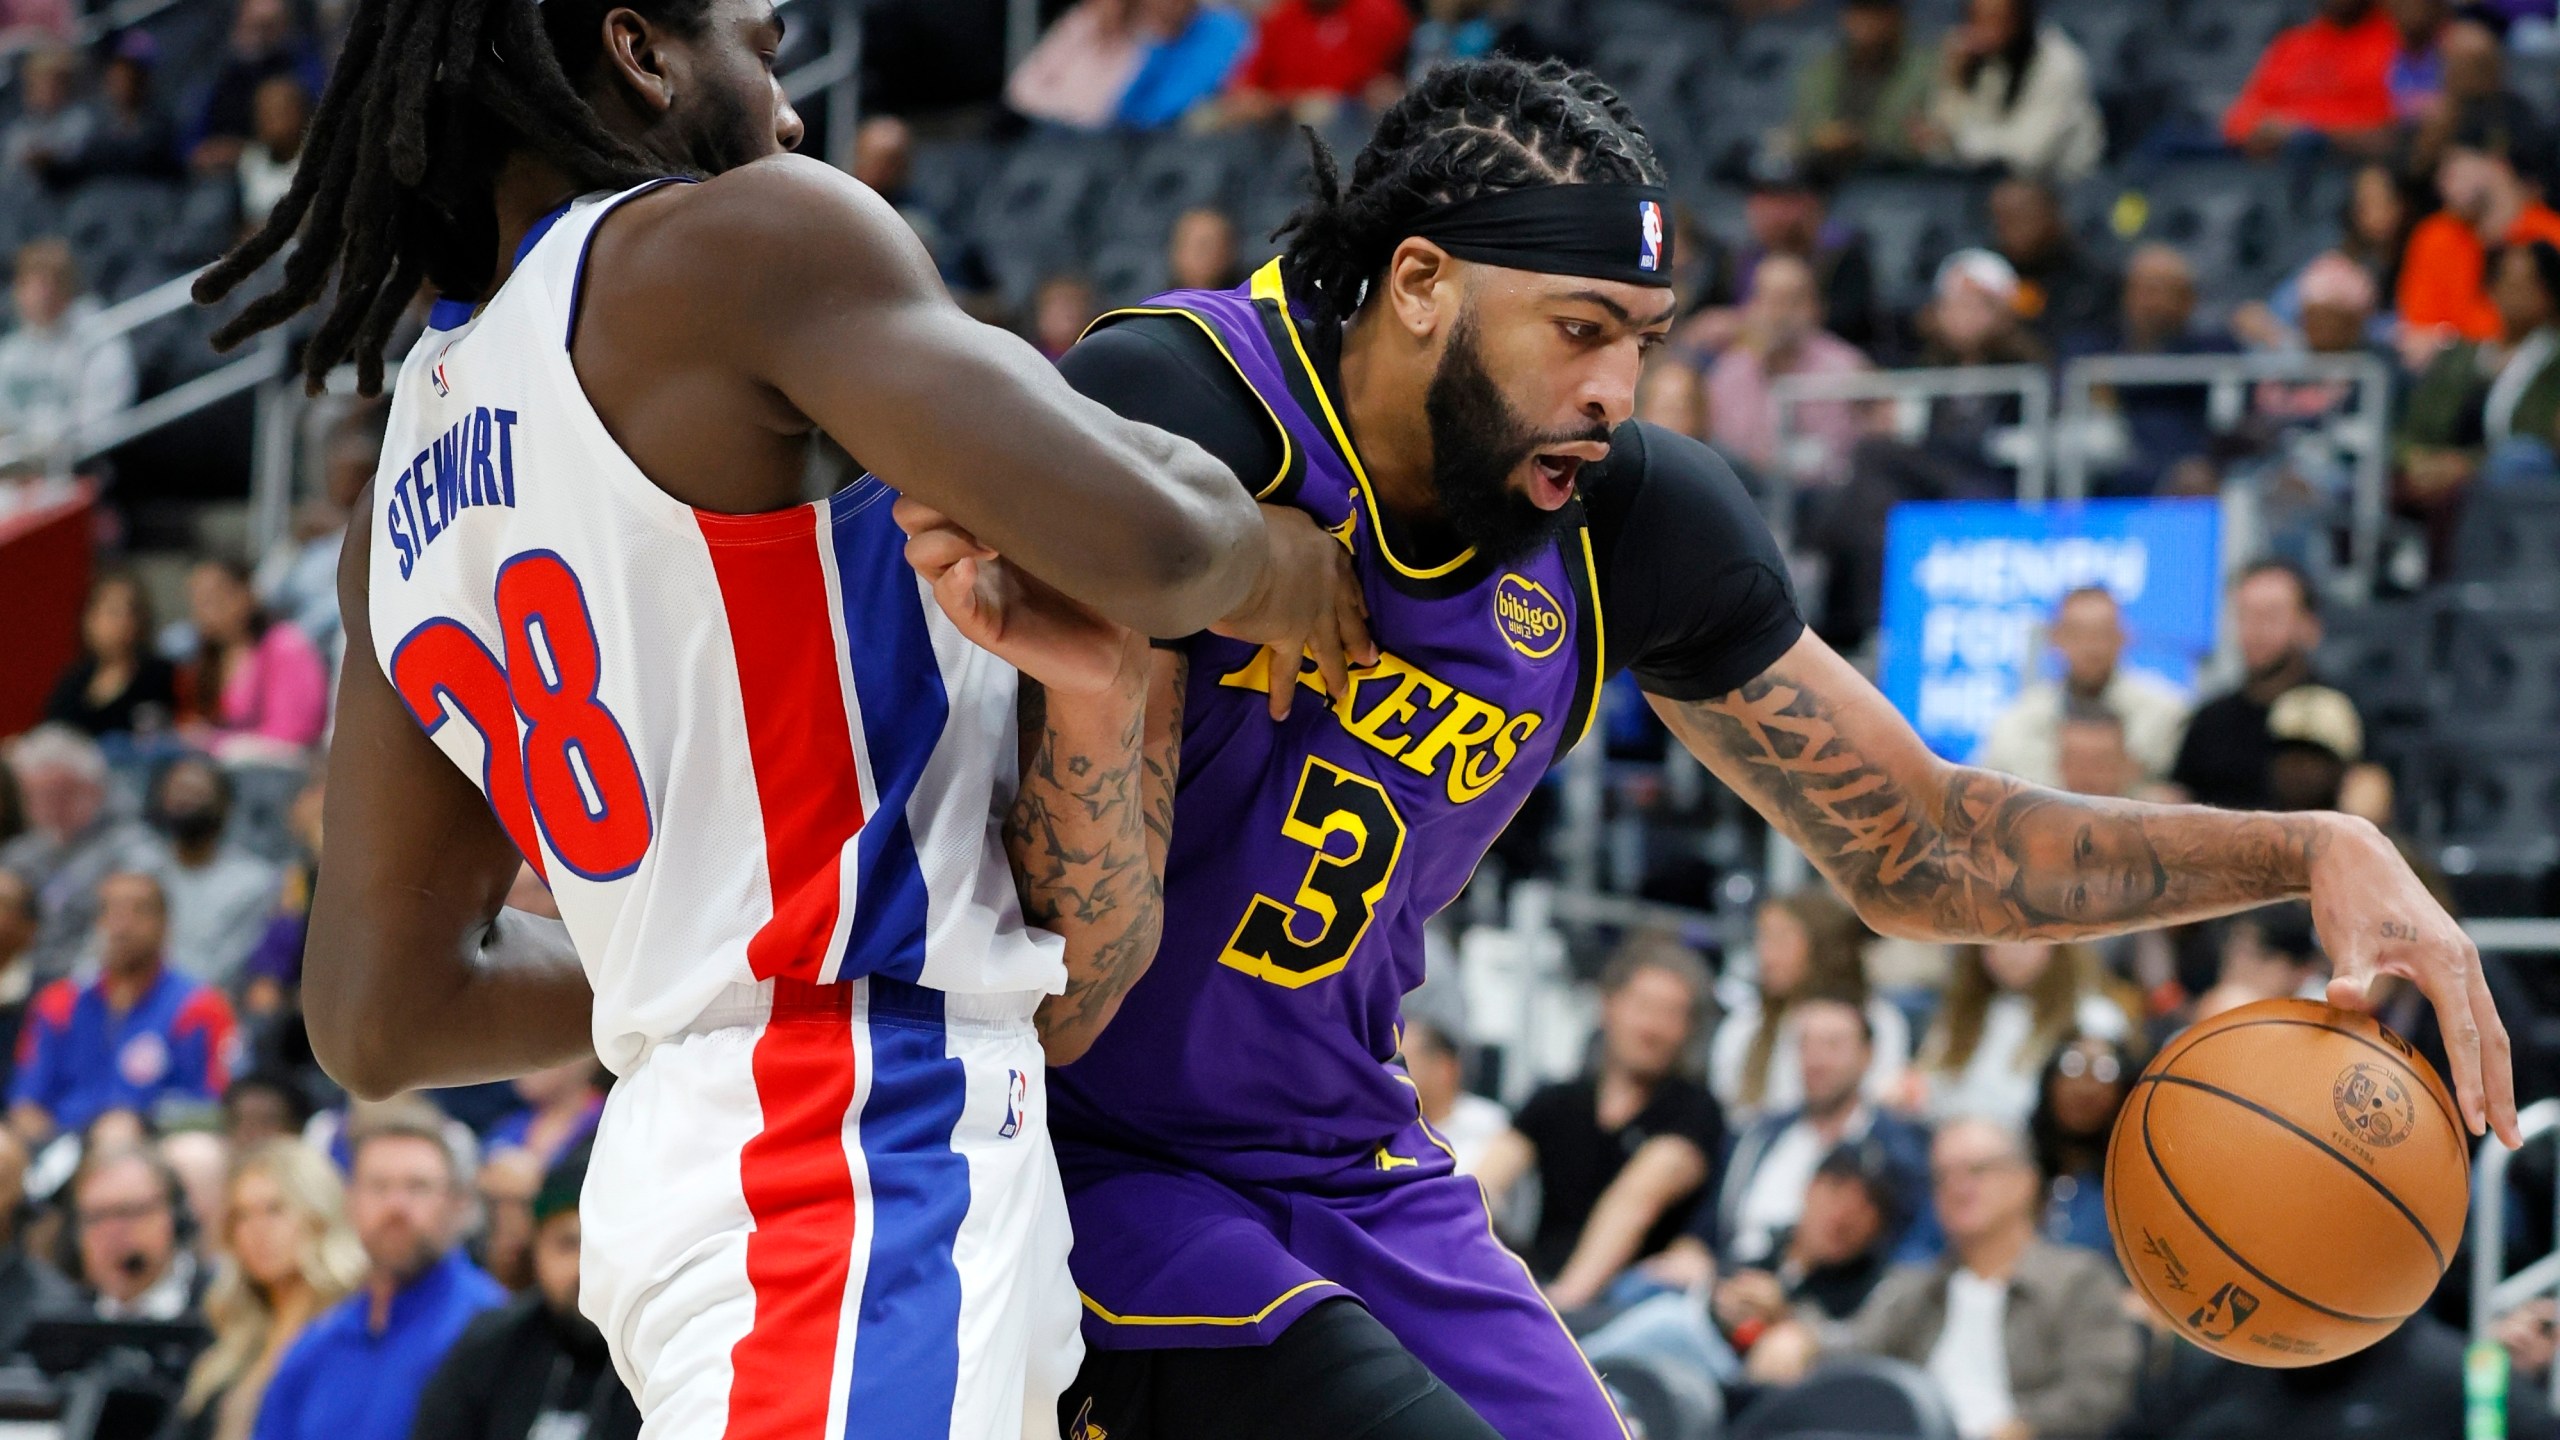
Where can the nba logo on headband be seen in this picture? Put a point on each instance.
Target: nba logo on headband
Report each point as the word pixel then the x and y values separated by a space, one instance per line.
pixel 1649 220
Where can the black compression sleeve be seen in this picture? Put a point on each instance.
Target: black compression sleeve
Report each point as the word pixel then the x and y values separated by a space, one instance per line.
pixel 1692 584
pixel 1165 371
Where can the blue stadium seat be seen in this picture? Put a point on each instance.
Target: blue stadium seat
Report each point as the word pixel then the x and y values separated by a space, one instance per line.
pixel 1852 1397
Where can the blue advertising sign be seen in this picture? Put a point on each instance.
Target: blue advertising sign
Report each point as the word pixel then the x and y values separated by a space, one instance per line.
pixel 1970 586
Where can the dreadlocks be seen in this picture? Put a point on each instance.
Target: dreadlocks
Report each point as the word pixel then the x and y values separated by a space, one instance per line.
pixel 429 96
pixel 1468 129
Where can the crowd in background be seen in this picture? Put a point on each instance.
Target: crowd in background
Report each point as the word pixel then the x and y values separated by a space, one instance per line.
pixel 1806 1142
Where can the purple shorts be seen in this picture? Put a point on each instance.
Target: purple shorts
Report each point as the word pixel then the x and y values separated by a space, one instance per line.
pixel 1172 1259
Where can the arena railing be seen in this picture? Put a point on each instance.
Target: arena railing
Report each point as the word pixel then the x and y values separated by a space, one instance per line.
pixel 2364 430
pixel 2494 1294
pixel 2027 445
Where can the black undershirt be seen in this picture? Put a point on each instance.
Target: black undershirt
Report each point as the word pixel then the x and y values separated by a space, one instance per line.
pixel 1693 589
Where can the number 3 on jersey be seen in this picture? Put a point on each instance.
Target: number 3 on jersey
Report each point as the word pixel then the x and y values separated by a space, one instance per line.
pixel 1340 891
pixel 570 777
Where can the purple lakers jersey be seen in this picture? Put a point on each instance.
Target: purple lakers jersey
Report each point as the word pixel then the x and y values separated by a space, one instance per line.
pixel 1307 853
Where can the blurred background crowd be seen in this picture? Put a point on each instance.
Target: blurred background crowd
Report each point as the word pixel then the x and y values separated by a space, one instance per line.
pixel 1745 1143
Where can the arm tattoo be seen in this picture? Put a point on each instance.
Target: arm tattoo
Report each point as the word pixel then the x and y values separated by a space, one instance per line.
pixel 1968 854
pixel 1086 838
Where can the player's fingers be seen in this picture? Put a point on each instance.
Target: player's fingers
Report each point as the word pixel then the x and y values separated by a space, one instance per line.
pixel 2497 1059
pixel 2448 987
pixel 1284 678
pixel 1331 665
pixel 918 519
pixel 931 552
pixel 956 590
pixel 1351 622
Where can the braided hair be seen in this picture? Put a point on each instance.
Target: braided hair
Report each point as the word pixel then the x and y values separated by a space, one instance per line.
pixel 1467 129
pixel 396 185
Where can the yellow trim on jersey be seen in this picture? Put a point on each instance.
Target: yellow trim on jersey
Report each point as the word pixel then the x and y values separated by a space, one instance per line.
pixel 1485 1202
pixel 1599 631
pixel 1267 286
pixel 1288 447
pixel 1256 1318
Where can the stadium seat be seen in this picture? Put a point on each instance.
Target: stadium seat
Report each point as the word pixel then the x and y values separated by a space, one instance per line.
pixel 114 225
pixel 1853 1397
pixel 1665 1402
pixel 1174 173
pixel 2222 216
pixel 943 175
pixel 1127 271
pixel 1031 219
pixel 2488 813
pixel 2502 668
pixel 2384 656
pixel 2509 539
pixel 1912 222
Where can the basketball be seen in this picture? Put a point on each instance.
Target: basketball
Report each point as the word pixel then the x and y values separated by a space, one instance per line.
pixel 2287 1182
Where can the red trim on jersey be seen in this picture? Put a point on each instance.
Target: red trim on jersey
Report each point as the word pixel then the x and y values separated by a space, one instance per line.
pixel 207 1011
pixel 799 1188
pixel 798 736
pixel 50 1010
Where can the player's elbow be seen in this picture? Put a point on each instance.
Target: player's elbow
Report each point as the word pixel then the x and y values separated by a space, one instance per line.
pixel 1203 553
pixel 355 1042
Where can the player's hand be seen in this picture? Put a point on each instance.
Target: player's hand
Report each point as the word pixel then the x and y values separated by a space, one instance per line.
pixel 2375 919
pixel 1308 603
pixel 1069 648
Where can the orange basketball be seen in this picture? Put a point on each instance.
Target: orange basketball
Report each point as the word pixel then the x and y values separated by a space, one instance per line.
pixel 2287 1182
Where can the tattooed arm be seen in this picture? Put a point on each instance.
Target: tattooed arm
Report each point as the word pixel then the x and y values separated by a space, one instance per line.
pixel 1934 851
pixel 1087 837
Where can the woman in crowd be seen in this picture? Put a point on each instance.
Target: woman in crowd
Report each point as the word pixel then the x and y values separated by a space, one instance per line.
pixel 2487 407
pixel 2007 1009
pixel 1808 943
pixel 119 685
pixel 2013 91
pixel 262 686
pixel 2084 1085
pixel 288 1255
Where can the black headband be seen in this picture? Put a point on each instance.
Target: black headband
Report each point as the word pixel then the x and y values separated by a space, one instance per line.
pixel 1607 232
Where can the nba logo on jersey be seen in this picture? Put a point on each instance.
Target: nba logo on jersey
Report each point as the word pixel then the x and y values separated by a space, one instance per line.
pixel 1649 219
pixel 1017 1088
pixel 443 387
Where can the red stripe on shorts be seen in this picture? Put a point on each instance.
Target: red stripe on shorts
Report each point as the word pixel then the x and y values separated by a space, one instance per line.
pixel 799 1188
pixel 799 738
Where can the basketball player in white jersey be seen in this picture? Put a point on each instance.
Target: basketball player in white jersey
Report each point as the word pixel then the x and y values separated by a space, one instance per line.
pixel 784 803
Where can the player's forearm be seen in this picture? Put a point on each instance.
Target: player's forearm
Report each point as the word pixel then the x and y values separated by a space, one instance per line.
pixel 1087 837
pixel 508 999
pixel 1932 851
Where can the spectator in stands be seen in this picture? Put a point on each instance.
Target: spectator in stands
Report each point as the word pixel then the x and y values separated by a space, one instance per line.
pixel 1454 30
pixel 1781 335
pixel 273 970
pixel 2083 1086
pixel 357 1372
pixel 128 132
pixel 1859 1202
pixel 125 1211
pixel 2487 404
pixel 1192 49
pixel 2444 278
pixel 2415 76
pixel 29 1288
pixel 2014 91
pixel 561 1107
pixel 2274 952
pixel 1623 1153
pixel 219 894
pixel 884 159
pixel 119 685
pixel 280 109
pixel 201 1159
pixel 264 43
pixel 262 686
pixel 2168 430
pixel 1807 944
pixel 1787 213
pixel 2225 757
pixel 2009 1005
pixel 264 1105
pixel 287 1254
pixel 2408 1383
pixel 1081 66
pixel 534 1368
pixel 23 20
pixel 1763 1190
pixel 2063 293
pixel 58 373
pixel 1200 254
pixel 2530 1334
pixel 2474 95
pixel 72 841
pixel 1862 101
pixel 298 580
pixel 2326 77
pixel 2092 757
pixel 137 1035
pixel 1468 1121
pixel 2024 1337
pixel 2088 633
pixel 1060 309
pixel 2317 738
pixel 2371 236
pixel 1311 57
pixel 19 923
pixel 1673 395
pixel 50 121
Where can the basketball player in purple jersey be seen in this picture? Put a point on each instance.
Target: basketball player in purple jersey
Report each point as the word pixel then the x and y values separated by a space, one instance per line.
pixel 1441 370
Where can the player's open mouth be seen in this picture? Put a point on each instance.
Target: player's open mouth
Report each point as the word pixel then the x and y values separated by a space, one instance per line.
pixel 1551 480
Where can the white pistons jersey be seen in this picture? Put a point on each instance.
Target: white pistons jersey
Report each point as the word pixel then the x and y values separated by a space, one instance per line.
pixel 736 747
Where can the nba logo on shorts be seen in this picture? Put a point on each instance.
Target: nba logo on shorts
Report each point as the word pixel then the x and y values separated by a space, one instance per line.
pixel 1017 1088
pixel 1649 218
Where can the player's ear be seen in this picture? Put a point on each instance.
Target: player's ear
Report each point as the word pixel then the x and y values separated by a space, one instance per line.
pixel 1419 287
pixel 634 48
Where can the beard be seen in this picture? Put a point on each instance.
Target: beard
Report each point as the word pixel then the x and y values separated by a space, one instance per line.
pixel 1477 443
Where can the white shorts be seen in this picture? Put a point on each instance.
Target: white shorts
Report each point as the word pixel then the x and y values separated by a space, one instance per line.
pixel 835 1215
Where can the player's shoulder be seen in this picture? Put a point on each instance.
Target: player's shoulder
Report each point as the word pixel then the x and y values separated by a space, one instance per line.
pixel 1675 487
pixel 767 228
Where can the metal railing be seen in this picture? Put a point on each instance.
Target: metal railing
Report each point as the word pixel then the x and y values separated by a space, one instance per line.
pixel 2491 1295
pixel 2028 444
pixel 2364 430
